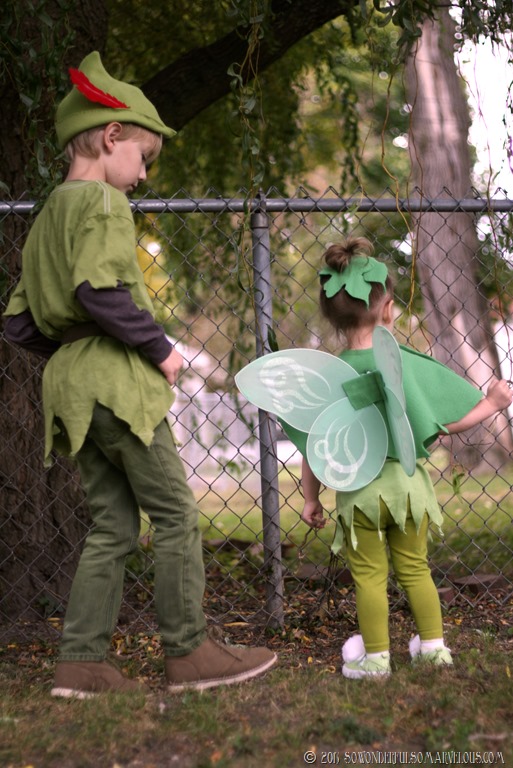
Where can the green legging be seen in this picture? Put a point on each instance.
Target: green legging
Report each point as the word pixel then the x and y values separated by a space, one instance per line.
pixel 369 568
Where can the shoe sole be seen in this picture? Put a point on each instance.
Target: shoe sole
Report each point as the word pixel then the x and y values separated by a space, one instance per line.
pixel 202 685
pixel 358 674
pixel 74 693
pixel 71 693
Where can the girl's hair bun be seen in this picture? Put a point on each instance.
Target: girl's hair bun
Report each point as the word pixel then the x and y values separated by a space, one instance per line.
pixel 340 254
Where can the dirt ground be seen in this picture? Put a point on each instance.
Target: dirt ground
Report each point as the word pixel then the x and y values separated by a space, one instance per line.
pixel 323 623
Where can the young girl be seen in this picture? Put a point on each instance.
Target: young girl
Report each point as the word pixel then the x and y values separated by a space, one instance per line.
pixel 394 509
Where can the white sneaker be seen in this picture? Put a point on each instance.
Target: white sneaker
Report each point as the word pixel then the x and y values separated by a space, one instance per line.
pixel 437 656
pixel 365 667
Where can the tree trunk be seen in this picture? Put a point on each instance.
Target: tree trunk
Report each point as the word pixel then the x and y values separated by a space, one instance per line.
pixel 43 518
pixel 456 311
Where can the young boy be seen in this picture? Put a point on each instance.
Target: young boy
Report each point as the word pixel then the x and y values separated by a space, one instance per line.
pixel 82 303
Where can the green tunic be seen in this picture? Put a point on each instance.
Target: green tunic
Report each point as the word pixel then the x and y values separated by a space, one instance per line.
pixel 435 396
pixel 86 232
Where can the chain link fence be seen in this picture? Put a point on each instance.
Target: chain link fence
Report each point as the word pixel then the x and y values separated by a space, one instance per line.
pixel 229 279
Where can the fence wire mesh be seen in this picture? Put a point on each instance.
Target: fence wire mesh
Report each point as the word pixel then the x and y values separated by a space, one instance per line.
pixel 228 277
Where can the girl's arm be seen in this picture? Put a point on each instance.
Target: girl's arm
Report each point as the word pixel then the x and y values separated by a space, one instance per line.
pixel 498 397
pixel 312 511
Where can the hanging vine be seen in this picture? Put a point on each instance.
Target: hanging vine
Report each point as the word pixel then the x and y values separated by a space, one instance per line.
pixel 251 16
pixel 246 87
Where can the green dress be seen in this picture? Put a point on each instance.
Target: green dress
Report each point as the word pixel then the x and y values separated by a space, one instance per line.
pixel 86 232
pixel 435 396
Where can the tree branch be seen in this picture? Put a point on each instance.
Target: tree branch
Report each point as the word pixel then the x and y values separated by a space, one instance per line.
pixel 197 79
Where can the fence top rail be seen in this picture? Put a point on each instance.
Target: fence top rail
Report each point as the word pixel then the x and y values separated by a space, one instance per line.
pixel 297 205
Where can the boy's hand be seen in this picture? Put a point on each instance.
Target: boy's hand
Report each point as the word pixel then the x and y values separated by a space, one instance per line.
pixel 499 394
pixel 313 514
pixel 172 366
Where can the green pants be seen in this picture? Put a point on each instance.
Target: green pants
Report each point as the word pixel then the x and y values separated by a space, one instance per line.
pixel 121 476
pixel 369 566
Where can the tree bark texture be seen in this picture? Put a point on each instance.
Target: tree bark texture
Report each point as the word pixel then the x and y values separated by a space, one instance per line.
pixel 446 245
pixel 43 517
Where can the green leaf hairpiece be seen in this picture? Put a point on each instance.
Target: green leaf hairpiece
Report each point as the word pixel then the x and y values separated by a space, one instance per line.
pixel 356 278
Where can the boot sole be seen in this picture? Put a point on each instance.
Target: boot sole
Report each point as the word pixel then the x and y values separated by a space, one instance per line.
pixel 201 685
pixel 76 693
pixel 71 693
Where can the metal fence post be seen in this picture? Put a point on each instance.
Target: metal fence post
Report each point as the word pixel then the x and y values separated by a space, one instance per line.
pixel 267 422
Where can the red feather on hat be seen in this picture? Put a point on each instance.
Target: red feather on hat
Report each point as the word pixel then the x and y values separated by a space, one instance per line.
pixel 93 93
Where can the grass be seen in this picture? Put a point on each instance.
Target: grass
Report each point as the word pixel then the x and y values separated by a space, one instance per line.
pixel 303 704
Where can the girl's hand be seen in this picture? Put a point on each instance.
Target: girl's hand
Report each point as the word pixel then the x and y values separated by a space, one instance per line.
pixel 313 514
pixel 498 397
pixel 172 366
pixel 499 394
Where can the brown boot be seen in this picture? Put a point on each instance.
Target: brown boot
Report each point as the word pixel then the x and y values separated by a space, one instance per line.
pixel 85 679
pixel 214 664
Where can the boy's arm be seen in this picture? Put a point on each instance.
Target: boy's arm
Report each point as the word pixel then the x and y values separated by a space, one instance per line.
pixel 498 397
pixel 114 310
pixel 22 330
pixel 313 513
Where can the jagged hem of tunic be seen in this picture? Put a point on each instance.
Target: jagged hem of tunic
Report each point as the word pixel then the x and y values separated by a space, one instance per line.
pixel 418 502
pixel 57 440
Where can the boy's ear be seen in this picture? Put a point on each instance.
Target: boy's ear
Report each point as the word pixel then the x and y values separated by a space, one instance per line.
pixel 111 133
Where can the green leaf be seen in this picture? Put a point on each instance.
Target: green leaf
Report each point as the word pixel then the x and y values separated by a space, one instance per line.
pixel 272 340
pixel 457 477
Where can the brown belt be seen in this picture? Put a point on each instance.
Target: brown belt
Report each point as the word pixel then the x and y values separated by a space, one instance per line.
pixel 82 331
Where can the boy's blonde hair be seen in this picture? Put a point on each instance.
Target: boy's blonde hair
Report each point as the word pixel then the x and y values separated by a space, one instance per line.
pixel 86 144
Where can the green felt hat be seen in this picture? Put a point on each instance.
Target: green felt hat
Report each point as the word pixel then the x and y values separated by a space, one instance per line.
pixel 98 99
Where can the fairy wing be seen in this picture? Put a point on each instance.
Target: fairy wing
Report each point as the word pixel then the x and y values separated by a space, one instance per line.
pixel 345 448
pixel 295 384
pixel 387 356
pixel 327 409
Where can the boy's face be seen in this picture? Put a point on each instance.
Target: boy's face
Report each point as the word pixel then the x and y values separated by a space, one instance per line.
pixel 125 166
